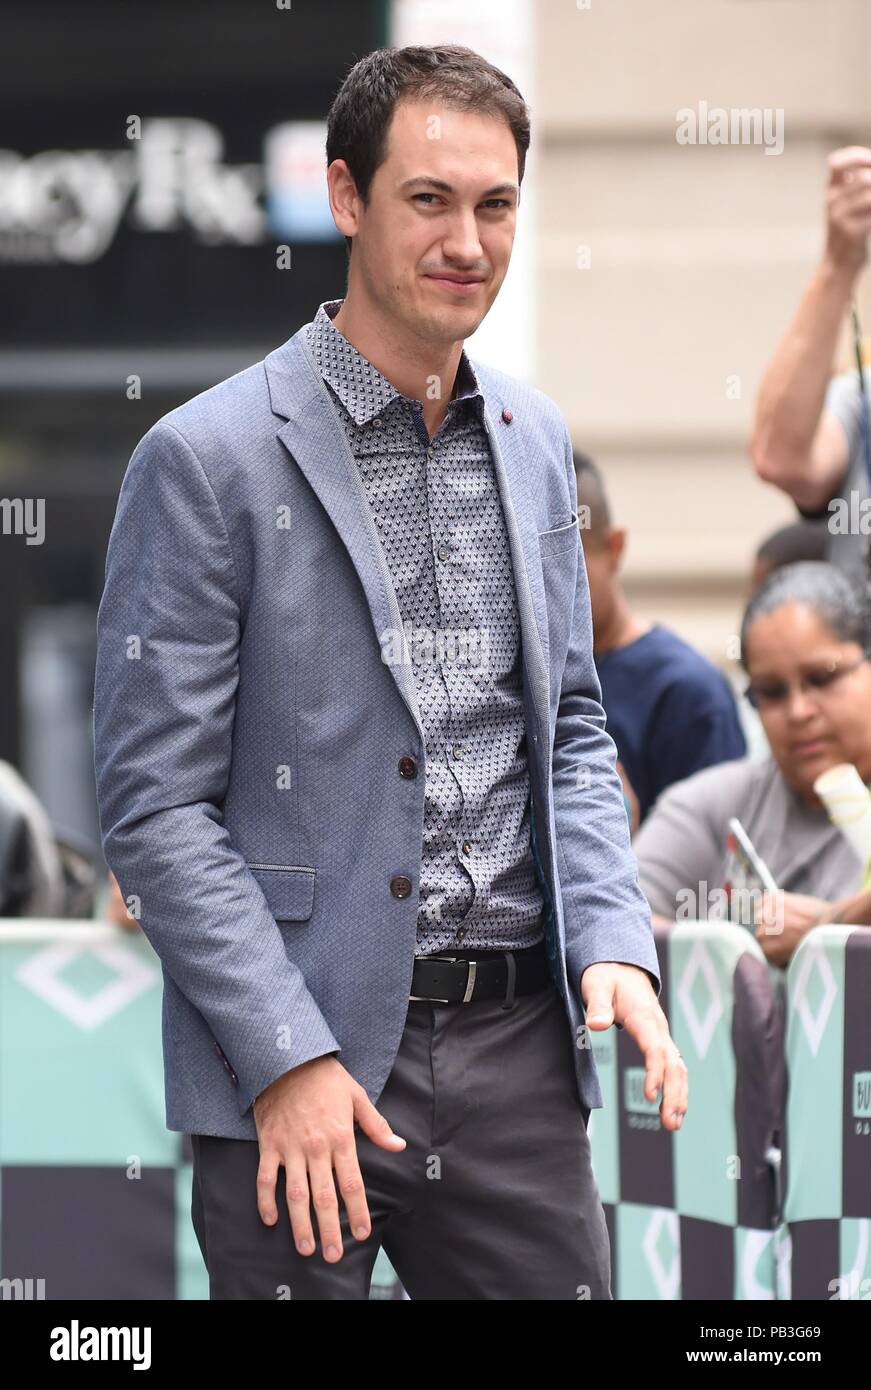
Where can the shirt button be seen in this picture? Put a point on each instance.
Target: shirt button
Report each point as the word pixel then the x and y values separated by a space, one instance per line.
pixel 430 451
pixel 507 416
pixel 467 848
pixel 444 551
pixel 377 422
pixel 457 751
pixel 460 933
pixel 400 886
pixel 407 767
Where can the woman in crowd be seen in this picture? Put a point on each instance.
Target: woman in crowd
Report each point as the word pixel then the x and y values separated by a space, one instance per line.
pixel 805 645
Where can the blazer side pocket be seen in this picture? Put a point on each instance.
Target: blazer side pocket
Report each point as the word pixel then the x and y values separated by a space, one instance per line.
pixel 289 890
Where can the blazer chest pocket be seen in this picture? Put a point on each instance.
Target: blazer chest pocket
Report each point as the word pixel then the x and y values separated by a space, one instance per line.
pixel 559 547
pixel 289 890
pixel 558 538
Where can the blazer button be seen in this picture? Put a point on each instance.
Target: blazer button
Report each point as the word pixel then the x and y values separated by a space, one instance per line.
pixel 407 767
pixel 400 886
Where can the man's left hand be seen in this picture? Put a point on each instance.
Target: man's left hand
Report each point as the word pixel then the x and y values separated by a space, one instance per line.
pixel 614 992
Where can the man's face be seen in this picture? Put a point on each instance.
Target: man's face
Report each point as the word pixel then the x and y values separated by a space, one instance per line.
pixel 444 201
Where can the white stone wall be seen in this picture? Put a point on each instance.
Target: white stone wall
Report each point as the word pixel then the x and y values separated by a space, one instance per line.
pixel 697 257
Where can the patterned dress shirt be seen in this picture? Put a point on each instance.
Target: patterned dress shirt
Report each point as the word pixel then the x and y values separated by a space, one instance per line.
pixel 438 512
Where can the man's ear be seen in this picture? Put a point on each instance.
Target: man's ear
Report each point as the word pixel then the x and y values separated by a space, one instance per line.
pixel 615 543
pixel 343 197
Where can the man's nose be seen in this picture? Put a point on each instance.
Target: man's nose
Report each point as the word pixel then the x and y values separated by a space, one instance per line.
pixel 462 241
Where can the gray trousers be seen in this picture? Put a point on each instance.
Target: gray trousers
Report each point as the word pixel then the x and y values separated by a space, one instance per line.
pixel 492 1198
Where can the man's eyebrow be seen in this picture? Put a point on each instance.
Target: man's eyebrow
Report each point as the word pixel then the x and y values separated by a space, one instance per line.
pixel 444 187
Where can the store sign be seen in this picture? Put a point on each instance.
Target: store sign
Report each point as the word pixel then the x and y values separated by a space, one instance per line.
pixel 66 206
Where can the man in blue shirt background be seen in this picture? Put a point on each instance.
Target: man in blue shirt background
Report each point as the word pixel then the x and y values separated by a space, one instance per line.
pixel 670 710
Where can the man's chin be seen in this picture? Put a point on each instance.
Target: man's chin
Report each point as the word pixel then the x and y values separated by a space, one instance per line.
pixel 450 323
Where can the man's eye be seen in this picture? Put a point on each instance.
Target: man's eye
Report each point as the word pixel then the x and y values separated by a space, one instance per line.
pixel 818 679
pixel 491 204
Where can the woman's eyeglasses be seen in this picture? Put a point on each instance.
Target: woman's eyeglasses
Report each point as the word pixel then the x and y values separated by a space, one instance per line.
pixel 769 694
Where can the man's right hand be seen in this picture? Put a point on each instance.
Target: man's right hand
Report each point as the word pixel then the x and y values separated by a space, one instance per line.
pixel 305 1121
pixel 848 208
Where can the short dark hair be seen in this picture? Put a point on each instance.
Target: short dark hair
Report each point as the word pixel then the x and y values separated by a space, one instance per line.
pixel 799 540
pixel 591 492
pixel 360 115
pixel 839 600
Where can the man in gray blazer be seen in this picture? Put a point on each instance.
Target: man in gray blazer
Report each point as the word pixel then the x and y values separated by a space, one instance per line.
pixel 352 765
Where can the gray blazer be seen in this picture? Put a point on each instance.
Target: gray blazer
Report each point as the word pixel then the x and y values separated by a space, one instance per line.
pixel 247 738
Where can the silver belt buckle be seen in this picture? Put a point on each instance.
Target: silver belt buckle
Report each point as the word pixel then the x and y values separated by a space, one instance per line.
pixel 470 982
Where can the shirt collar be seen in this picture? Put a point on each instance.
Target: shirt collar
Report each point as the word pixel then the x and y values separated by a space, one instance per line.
pixel 362 389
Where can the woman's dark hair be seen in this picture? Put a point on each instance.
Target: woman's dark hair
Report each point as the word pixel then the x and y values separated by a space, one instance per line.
pixel 461 79
pixel 799 540
pixel 840 601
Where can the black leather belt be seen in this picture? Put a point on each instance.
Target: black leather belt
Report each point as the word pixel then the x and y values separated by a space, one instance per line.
pixel 474 975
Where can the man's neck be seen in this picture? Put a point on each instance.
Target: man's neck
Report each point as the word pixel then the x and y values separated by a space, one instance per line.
pixel 623 628
pixel 408 363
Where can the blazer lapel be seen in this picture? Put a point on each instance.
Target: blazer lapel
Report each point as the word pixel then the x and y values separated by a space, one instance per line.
pixel 509 460
pixel 313 435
